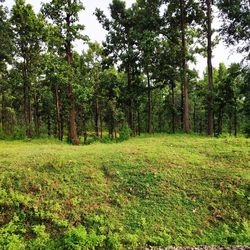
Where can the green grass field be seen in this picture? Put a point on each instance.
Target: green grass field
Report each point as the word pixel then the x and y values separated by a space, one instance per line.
pixel 159 191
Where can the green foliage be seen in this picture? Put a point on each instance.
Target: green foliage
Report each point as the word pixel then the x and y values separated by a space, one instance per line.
pixel 124 133
pixel 78 238
pixel 235 28
pixel 42 238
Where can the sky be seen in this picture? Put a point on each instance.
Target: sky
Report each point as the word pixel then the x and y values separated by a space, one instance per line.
pixel 96 33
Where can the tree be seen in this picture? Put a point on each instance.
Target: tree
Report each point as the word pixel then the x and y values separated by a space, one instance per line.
pixel 6 47
pixel 210 69
pixel 65 15
pixel 147 30
pixel 187 15
pixel 28 36
pixel 221 97
pixel 6 42
pixel 120 47
pixel 235 29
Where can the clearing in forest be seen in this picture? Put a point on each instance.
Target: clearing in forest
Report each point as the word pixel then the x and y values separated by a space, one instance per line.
pixel 156 190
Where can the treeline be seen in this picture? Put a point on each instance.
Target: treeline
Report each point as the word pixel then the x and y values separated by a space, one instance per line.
pixel 138 80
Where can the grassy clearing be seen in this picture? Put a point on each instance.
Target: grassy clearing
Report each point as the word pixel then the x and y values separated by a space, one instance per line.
pixel 159 191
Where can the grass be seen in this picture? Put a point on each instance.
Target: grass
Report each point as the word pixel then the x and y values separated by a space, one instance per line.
pixel 159 191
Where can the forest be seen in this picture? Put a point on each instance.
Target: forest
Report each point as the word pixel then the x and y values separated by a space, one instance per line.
pixel 138 80
pixel 124 144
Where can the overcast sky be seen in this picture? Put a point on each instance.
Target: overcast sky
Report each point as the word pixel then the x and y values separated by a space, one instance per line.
pixel 95 32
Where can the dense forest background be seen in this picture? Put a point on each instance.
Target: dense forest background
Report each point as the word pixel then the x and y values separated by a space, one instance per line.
pixel 137 81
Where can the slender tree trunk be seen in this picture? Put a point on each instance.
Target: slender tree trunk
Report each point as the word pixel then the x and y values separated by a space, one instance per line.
pixel 97 118
pixel 2 111
pixel 139 121
pixel 36 115
pixel 29 113
pixel 149 113
pixel 58 113
pixel 220 120
pixel 182 106
pixel 230 124
pixel 130 101
pixel 27 102
pixel 173 107
pixel 85 134
pixel 210 69
pixel 235 119
pixel 201 126
pixel 4 114
pixel 48 125
pixel 194 117
pixel 101 123
pixel 186 126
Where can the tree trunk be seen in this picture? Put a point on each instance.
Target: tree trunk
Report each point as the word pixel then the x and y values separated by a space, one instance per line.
pixel 36 115
pixel 130 101
pixel 139 121
pixel 4 114
pixel 101 124
pixel 235 119
pixel 27 102
pixel 73 137
pixel 230 124
pixel 201 126
pixel 58 113
pixel 173 107
pixel 149 113
pixel 220 120
pixel 210 69
pixel 194 117
pixel 48 125
pixel 97 118
pixel 186 126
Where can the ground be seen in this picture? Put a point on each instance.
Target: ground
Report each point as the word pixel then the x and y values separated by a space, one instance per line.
pixel 161 190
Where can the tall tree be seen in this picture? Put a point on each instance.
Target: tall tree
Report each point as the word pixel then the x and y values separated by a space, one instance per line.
pixel 28 36
pixel 187 15
pixel 210 68
pixel 6 47
pixel 147 30
pixel 120 46
pixel 184 68
pixel 235 29
pixel 65 15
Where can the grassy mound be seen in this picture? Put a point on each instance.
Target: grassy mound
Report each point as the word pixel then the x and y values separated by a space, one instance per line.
pixel 148 191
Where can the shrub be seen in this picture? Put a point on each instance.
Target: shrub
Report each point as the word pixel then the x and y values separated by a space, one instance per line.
pixel 78 238
pixel 124 133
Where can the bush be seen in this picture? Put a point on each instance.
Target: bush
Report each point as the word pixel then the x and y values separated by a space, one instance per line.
pixel 124 133
pixel 78 238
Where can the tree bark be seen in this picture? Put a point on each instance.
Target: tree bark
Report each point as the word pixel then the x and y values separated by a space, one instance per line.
pixel 73 137
pixel 149 113
pixel 210 69
pixel 36 115
pixel 186 126
pixel 97 118
pixel 130 101
pixel 220 120
pixel 139 121
pixel 235 119
pixel 27 102
pixel 173 107
pixel 194 117
pixel 58 113
pixel 48 125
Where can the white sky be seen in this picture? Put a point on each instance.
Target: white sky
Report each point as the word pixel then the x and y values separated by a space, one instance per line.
pixel 95 32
